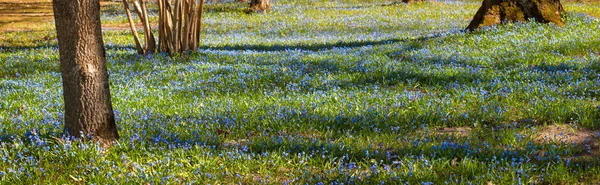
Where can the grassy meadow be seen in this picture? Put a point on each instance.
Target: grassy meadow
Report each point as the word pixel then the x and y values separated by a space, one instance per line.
pixel 321 92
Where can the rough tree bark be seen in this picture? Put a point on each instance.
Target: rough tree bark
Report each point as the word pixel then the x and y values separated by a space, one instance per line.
pixel 86 93
pixel 260 5
pixel 498 11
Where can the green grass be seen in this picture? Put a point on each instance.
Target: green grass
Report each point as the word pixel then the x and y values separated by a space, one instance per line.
pixel 334 92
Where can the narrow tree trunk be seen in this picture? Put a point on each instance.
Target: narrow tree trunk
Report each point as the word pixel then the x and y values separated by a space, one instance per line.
pixel 136 38
pixel 260 5
pixel 151 42
pixel 199 24
pixel 179 25
pixel 86 93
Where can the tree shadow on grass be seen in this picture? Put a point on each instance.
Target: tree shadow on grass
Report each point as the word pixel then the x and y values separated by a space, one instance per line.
pixel 20 69
pixel 227 7
pixel 17 65
pixel 449 149
pixel 409 145
pixel 320 46
pixel 453 151
pixel 20 65
pixel 395 77
pixel 293 71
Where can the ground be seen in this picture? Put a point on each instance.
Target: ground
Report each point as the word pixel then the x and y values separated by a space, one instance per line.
pixel 354 92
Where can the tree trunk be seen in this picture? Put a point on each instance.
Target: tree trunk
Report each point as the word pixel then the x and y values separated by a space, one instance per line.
pixel 260 5
pixel 498 11
pixel 86 93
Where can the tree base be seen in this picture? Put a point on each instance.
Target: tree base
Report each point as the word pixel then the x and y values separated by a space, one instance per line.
pixel 259 6
pixel 494 12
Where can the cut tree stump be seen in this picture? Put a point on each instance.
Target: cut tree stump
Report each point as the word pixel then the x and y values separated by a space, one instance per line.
pixel 500 11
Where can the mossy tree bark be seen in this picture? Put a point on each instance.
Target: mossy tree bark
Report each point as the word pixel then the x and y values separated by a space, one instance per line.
pixel 86 93
pixel 260 5
pixel 499 11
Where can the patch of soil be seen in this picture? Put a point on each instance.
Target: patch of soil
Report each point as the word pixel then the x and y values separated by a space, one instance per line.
pixel 453 131
pixel 121 27
pixel 566 134
pixel 588 140
pixel 25 1
pixel 20 15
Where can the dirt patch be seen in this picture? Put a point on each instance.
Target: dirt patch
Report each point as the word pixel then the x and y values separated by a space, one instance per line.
pixel 23 15
pixel 235 142
pixel 25 1
pixel 453 131
pixel 566 134
pixel 121 27
pixel 588 141
pixel 20 15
